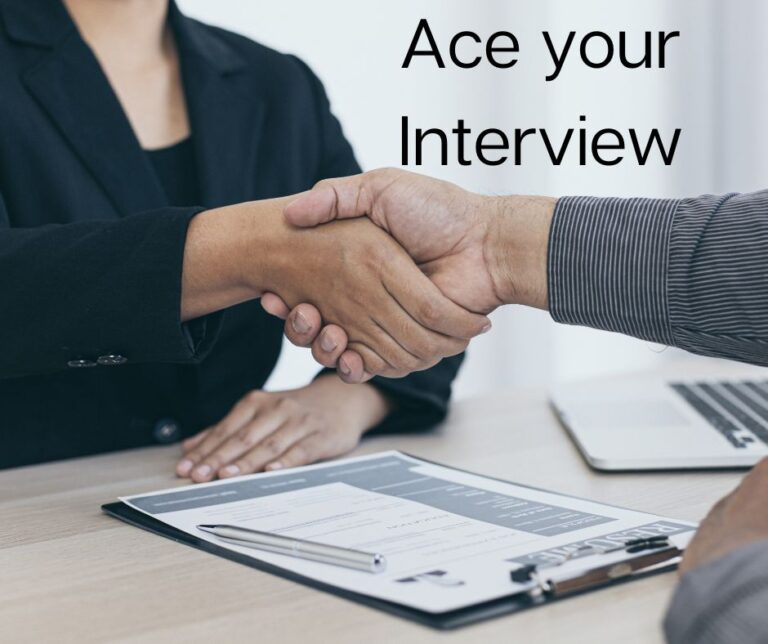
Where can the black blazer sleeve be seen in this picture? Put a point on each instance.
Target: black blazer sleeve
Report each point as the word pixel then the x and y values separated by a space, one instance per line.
pixel 420 399
pixel 83 290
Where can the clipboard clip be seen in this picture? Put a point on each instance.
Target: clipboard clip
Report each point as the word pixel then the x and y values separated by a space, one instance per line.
pixel 657 550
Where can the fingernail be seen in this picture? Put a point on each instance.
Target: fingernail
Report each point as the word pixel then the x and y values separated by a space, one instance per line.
pixel 184 467
pixel 277 465
pixel 230 470
pixel 486 328
pixel 327 343
pixel 203 470
pixel 344 367
pixel 300 324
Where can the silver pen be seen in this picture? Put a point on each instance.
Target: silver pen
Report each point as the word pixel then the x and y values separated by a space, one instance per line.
pixel 334 555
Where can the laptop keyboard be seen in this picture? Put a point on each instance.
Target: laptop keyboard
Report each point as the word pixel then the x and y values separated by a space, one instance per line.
pixel 730 408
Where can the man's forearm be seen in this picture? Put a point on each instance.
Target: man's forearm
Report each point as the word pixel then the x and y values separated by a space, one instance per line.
pixel 516 244
pixel 688 273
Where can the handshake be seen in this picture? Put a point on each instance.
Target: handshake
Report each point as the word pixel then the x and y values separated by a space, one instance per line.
pixel 417 268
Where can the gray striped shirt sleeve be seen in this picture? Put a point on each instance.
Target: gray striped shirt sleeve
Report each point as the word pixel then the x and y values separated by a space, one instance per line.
pixel 724 601
pixel 692 273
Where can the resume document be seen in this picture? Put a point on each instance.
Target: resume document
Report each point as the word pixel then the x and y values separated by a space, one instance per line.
pixel 450 538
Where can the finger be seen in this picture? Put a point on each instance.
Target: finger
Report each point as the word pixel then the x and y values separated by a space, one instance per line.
pixel 405 343
pixel 342 198
pixel 242 441
pixel 303 325
pixel 274 305
pixel 309 449
pixel 194 441
pixel 398 362
pixel 419 347
pixel 329 345
pixel 330 199
pixel 350 368
pixel 240 414
pixel 427 305
pixel 271 448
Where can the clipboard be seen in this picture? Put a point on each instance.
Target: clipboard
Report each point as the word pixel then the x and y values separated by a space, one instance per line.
pixel 548 584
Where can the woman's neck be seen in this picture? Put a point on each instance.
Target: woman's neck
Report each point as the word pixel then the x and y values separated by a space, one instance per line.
pixel 124 33
pixel 136 50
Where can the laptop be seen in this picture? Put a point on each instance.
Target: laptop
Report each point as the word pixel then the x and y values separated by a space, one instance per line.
pixel 651 424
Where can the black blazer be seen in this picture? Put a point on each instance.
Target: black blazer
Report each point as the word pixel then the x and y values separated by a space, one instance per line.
pixel 93 356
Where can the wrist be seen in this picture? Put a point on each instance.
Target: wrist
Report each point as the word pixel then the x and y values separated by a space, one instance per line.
pixel 261 246
pixel 361 406
pixel 516 246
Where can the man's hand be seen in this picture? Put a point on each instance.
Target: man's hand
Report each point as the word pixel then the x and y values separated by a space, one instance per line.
pixel 442 227
pixel 361 279
pixel 737 520
pixel 479 251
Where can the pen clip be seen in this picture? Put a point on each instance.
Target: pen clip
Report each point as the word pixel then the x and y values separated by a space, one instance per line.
pixel 602 575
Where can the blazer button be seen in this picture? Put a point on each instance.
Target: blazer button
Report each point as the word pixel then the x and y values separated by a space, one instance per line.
pixel 81 364
pixel 111 360
pixel 167 430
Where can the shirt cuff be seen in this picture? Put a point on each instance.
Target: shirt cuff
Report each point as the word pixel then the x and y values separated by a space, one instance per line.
pixel 722 601
pixel 608 264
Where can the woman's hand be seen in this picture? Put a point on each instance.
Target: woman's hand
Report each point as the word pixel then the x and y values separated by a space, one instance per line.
pixel 270 431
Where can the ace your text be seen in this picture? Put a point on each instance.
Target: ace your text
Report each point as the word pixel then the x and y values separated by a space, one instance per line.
pixel 595 49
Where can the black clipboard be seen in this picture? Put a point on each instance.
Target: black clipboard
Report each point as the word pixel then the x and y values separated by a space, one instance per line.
pixel 656 561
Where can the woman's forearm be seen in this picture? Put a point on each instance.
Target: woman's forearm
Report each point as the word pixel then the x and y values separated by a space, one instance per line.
pixel 229 256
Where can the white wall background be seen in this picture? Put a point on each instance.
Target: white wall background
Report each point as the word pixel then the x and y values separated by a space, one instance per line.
pixel 711 89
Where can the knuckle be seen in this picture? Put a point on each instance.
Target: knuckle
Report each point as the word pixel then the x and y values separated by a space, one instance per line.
pixel 221 432
pixel 388 172
pixel 288 405
pixel 428 314
pixel 215 461
pixel 322 183
pixel 255 396
pixel 272 447
pixel 409 364
pixel 246 439
pixel 195 455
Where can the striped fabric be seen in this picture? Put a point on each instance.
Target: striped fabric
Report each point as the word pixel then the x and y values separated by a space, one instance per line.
pixel 692 273
pixel 722 601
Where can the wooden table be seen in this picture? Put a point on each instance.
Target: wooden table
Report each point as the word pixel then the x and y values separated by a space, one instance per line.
pixel 70 573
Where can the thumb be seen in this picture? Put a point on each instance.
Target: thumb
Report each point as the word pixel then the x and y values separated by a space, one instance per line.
pixel 330 199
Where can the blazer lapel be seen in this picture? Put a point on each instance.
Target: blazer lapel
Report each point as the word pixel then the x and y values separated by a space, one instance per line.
pixel 226 119
pixel 71 86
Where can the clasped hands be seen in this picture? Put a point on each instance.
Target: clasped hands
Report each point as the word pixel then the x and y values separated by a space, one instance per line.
pixel 478 253
pixel 383 273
